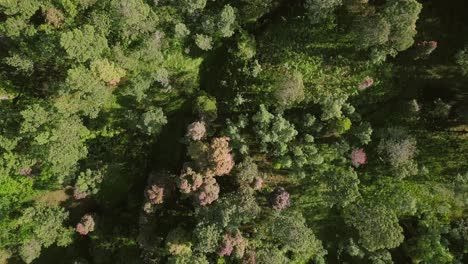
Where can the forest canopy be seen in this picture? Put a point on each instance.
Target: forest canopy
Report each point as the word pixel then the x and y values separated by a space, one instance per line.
pixel 233 131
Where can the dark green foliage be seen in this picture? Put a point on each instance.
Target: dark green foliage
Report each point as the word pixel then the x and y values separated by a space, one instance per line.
pixel 289 234
pixel 461 59
pixel 83 44
pixel 389 30
pixel 441 110
pixel 251 10
pixel 319 10
pixel 232 211
pixel 273 131
pixel 372 31
pixel 377 226
pixel 152 121
pixel 246 172
pixel 362 132
pixel 341 186
pixel 38 227
pixel 197 259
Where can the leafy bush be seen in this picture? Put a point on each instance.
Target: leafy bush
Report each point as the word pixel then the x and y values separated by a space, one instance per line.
pixel 461 59
pixel 398 150
pixel 88 183
pixel 318 10
pixel 152 121
pixel 377 226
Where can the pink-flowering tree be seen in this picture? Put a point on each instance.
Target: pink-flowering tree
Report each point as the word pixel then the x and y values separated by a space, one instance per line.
pixel 226 247
pixel 220 157
pixel 425 48
pixel 25 171
pixel 189 181
pixel 160 187
pixel 366 83
pixel 257 184
pixel 86 225
pixel 155 194
pixel 233 243
pixel 279 199
pixel 208 192
pixel 196 130
pixel 79 195
pixel 240 245
pixel 358 157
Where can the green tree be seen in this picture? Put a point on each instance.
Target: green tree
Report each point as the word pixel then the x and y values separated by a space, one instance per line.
pixel 341 186
pixel 107 71
pixel 188 259
pixel 232 211
pixel 381 257
pixel 273 131
pixel 398 150
pixel 246 172
pixel 290 89
pixel 226 21
pixel 377 226
pixel 178 242
pixel 204 42
pixel 252 10
pixel 84 92
pixel 402 16
pixel 56 141
pixel 83 44
pixel 39 227
pixel 207 238
pixel 362 132
pixel 152 121
pixel 389 31
pixel 289 234
pixel 193 5
pixel 133 19
pixel 88 183
pixel 371 31
pixel 461 58
pixel 319 10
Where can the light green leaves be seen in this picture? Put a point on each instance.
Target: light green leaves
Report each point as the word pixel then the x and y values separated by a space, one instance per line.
pixel 85 91
pixel 152 121
pixel 44 226
pixel 23 8
pixel 83 44
pixel 107 71
pixel 204 42
pixel 226 21
pixel 290 89
pixel 402 16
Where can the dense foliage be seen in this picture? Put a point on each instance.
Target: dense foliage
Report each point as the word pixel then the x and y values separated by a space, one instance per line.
pixel 233 131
